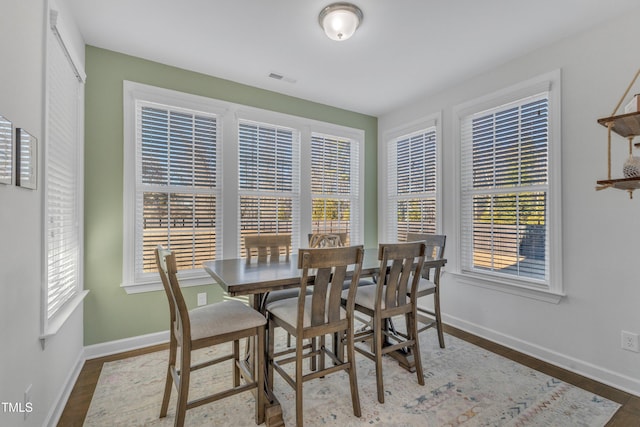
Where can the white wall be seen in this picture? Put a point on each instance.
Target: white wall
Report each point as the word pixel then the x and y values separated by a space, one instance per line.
pixel 601 230
pixel 23 360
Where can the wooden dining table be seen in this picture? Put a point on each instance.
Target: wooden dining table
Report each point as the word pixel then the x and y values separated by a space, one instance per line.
pixel 241 278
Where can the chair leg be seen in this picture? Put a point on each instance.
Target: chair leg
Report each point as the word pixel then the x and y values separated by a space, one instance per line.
pixel 377 345
pixel 299 414
pixel 321 355
pixel 259 376
pixel 183 385
pixel 436 306
pixel 338 345
pixel 353 379
pixel 270 352
pixel 247 348
pixel 236 360
pixel 417 358
pixel 168 385
pixel 313 361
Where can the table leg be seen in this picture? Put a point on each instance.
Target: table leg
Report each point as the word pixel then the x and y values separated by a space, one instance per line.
pixel 404 356
pixel 405 359
pixel 273 410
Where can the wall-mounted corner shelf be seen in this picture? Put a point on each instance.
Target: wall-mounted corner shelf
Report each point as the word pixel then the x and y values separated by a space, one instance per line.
pixel 628 184
pixel 627 126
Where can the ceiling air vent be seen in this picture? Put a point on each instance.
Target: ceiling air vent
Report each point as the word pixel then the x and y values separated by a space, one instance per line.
pixel 278 76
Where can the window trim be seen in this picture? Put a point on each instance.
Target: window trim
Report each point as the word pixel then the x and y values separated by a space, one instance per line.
pixel 391 137
pixel 133 92
pixel 553 291
pixel 229 116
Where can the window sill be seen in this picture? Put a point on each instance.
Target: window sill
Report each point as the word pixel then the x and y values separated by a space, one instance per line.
pixel 52 326
pixel 156 285
pixel 519 289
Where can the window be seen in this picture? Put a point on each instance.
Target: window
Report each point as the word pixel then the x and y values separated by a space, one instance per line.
pixel 412 181
pixel 172 184
pixel 63 180
pixel 334 184
pixel 180 148
pixel 508 188
pixel 268 179
pixel 176 187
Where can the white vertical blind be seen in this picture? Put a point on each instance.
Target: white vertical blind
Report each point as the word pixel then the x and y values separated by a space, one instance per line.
pixel 505 168
pixel 63 210
pixel 6 151
pixel 269 180
pixel 177 186
pixel 334 186
pixel 412 184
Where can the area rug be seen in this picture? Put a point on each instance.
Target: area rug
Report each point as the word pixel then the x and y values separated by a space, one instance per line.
pixel 465 385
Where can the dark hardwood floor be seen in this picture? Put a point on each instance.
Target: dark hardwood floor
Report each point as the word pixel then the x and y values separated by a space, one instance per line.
pixel 627 416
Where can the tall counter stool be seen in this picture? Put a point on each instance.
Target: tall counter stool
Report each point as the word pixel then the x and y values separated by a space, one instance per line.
pixel 430 283
pixel 314 316
pixel 400 264
pixel 210 325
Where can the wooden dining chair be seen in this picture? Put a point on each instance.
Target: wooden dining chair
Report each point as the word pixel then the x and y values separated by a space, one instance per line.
pixel 400 263
pixel 429 316
pixel 268 247
pixel 324 240
pixel 327 240
pixel 210 325
pixel 316 315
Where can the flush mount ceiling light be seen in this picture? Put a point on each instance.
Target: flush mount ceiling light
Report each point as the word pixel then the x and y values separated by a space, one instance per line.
pixel 340 20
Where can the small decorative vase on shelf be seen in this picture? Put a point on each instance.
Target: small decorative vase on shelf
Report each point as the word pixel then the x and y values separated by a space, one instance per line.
pixel 631 168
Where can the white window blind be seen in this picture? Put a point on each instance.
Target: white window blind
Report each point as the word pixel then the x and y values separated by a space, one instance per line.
pixel 334 185
pixel 504 190
pixel 268 173
pixel 63 186
pixel 177 187
pixel 6 151
pixel 412 184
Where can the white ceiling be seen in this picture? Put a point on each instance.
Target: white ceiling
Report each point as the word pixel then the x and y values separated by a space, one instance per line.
pixel 404 49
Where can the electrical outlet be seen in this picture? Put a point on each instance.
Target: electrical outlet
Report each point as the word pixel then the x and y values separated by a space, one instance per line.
pixel 202 298
pixel 630 341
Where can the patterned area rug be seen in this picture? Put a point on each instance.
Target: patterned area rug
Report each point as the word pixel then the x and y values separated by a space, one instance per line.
pixel 465 385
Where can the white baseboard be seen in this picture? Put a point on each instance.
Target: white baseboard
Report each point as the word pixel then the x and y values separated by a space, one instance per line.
pixel 580 367
pixel 126 344
pixel 56 411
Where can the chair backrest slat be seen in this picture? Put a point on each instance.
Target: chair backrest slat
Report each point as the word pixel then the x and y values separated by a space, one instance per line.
pixel 335 294
pixel 319 299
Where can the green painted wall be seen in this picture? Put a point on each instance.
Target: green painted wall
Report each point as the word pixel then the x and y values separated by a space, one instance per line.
pixel 110 314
